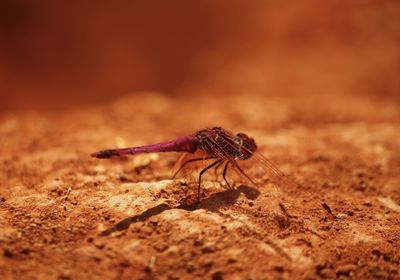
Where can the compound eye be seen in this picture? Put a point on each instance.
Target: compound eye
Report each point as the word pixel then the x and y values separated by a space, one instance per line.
pixel 238 139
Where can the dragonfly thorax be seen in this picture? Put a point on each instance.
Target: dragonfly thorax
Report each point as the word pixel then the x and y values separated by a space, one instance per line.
pixel 219 143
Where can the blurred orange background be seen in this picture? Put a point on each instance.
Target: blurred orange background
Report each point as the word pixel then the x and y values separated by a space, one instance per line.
pixel 62 54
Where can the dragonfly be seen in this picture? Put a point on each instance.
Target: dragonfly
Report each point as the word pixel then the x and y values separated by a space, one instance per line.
pixel 216 145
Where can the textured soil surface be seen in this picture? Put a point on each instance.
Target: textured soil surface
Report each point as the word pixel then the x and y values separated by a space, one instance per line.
pixel 65 215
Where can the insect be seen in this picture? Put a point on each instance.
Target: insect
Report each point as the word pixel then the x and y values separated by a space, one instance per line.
pixel 216 145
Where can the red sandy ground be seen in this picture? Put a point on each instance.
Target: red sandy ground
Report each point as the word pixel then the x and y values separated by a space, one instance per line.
pixel 64 215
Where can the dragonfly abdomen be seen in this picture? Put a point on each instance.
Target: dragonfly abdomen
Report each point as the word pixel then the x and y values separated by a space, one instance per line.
pixel 182 144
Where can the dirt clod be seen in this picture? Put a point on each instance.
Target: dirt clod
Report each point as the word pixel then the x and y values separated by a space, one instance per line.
pixel 217 276
pixel 345 270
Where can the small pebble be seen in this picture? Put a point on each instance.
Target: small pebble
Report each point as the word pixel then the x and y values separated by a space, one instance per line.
pixel 217 275
pixel 208 248
pixel 345 270
pixel 8 254
pixel 54 186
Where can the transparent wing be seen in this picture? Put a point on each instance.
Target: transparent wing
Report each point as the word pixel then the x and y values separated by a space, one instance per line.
pixel 256 170
pixel 264 171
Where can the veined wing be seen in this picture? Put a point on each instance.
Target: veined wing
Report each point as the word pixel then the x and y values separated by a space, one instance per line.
pixel 264 171
pixel 257 170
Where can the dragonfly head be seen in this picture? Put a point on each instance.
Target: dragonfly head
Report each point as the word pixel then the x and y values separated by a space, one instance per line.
pixel 248 145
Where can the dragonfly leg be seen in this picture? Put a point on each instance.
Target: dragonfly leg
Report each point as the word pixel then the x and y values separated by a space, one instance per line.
pixel 201 173
pixel 224 175
pixel 237 167
pixel 216 170
pixel 189 161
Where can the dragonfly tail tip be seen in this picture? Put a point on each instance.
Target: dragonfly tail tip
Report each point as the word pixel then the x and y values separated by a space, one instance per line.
pixel 104 154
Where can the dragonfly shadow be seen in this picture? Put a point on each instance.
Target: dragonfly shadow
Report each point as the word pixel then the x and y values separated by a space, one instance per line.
pixel 212 203
pixel 221 199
